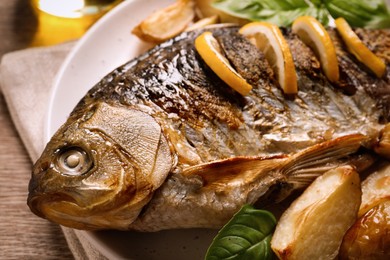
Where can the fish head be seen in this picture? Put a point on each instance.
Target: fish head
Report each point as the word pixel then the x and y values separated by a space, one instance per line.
pixel 100 168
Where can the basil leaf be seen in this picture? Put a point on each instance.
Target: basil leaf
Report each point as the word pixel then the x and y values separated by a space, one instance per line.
pixel 358 13
pixel 246 236
pixel 279 12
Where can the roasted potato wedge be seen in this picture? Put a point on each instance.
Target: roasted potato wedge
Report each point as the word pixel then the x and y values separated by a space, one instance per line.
pixel 203 23
pixel 375 188
pixel 205 9
pixel 166 23
pixel 369 237
pixel 314 225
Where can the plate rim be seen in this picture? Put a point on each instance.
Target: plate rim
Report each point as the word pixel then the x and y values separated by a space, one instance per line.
pixel 69 58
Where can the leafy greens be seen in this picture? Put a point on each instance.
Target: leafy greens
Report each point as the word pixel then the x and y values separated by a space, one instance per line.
pixel 246 236
pixel 358 13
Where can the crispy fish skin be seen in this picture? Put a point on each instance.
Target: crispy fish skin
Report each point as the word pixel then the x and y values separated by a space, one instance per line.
pixel 215 122
pixel 356 77
pixel 150 122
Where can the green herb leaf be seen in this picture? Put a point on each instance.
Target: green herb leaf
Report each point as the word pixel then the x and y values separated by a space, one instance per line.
pixel 246 236
pixel 279 12
pixel 358 13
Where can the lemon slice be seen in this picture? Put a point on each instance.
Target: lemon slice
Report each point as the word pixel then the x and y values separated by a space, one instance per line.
pixel 210 51
pixel 314 35
pixel 358 49
pixel 269 39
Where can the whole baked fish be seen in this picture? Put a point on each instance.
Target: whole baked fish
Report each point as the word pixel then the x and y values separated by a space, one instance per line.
pixel 161 142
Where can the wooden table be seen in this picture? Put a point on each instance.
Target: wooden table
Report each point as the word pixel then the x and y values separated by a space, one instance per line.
pixel 22 234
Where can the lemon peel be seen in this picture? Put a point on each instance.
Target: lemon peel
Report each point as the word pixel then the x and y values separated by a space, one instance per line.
pixel 359 49
pixel 210 51
pixel 269 39
pixel 314 35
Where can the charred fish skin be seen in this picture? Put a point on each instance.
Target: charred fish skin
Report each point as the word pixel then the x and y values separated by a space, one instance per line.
pixel 198 109
pixel 357 78
pixel 152 120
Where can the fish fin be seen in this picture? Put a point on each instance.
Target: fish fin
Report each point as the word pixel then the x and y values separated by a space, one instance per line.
pixel 297 170
pixel 222 172
pixel 303 167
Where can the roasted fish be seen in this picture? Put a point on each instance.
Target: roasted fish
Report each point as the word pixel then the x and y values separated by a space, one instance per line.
pixel 162 142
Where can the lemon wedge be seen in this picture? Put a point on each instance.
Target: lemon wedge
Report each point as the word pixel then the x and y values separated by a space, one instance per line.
pixel 210 51
pixel 314 35
pixel 269 39
pixel 358 49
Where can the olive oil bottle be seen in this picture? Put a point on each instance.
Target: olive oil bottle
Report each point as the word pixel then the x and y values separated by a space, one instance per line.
pixel 64 20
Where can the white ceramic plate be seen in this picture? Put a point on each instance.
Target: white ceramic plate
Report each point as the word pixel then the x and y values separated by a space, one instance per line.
pixel 107 45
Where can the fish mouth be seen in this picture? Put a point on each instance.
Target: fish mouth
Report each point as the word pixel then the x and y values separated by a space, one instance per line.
pixel 35 194
pixel 38 197
pixel 38 201
pixel 33 202
pixel 64 210
pixel 61 209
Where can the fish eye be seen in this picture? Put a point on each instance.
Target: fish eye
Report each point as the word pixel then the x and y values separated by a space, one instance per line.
pixel 73 161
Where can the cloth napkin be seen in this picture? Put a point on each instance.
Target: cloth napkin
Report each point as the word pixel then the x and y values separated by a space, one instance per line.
pixel 26 79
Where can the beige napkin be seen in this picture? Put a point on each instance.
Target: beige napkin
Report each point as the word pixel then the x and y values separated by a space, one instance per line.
pixel 26 79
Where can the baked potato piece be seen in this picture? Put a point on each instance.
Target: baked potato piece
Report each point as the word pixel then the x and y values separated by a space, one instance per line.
pixel 369 237
pixel 314 225
pixel 203 23
pixel 205 9
pixel 167 22
pixel 375 188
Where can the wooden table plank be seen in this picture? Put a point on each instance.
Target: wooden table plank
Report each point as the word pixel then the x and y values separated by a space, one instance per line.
pixel 22 234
